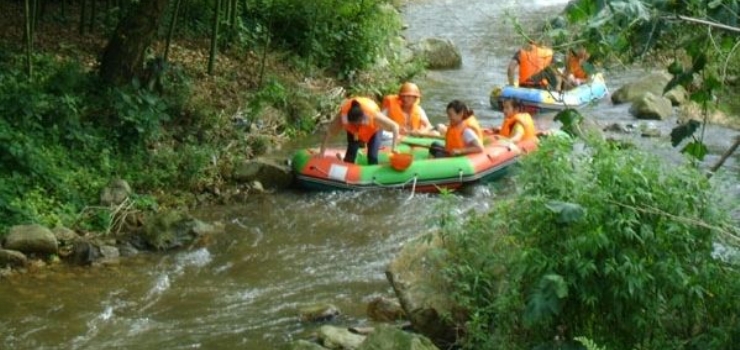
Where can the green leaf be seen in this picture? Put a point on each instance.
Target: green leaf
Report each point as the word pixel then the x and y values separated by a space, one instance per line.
pixel 544 302
pixel 675 68
pixel 696 149
pixel 700 61
pixel 567 212
pixel 701 96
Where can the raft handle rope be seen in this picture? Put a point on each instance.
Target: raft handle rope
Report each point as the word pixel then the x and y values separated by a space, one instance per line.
pixel 401 185
pixel 460 173
pixel 413 189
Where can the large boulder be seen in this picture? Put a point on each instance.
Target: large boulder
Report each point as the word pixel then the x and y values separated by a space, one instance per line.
pixel 173 229
pixel 270 173
pixel 304 345
pixel 390 338
pixel 385 310
pixel 115 193
pixel 12 258
pixel 678 95
pixel 339 338
pixel 650 106
pixel 438 53
pixel 631 92
pixel 31 239
pixel 414 276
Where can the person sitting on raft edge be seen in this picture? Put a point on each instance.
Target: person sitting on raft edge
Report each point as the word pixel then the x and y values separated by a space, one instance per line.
pixel 405 110
pixel 460 138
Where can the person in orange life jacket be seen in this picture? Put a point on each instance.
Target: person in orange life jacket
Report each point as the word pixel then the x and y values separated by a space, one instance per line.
pixel 460 138
pixel 574 73
pixel 517 125
pixel 361 118
pixel 404 109
pixel 469 119
pixel 535 68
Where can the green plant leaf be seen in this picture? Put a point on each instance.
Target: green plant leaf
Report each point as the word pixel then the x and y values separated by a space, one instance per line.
pixel 567 212
pixel 544 302
pixel 696 149
pixel 675 68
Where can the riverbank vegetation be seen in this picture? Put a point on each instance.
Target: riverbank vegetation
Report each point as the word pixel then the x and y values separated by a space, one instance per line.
pixel 612 248
pixel 612 245
pixel 168 95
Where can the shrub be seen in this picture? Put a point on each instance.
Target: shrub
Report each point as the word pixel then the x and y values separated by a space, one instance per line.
pixel 610 245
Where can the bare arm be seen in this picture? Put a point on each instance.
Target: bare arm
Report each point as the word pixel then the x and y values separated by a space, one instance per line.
pixel 510 72
pixel 389 125
pixel 473 146
pixel 334 127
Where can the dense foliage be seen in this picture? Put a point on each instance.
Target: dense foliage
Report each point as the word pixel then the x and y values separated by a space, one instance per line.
pixel 65 134
pixel 610 245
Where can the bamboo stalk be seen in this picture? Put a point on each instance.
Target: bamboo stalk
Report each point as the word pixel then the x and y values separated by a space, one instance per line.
pixel 93 14
pixel 34 15
pixel 171 30
pixel 82 16
pixel 214 37
pixel 29 42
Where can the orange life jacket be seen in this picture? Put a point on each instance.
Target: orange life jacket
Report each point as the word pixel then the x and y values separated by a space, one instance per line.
pixel 454 138
pixel 392 103
pixel 365 129
pixel 531 61
pixel 530 132
pixel 574 67
pixel 472 122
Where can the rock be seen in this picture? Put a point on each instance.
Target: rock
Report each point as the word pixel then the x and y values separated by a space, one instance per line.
pixel 631 92
pixel 319 313
pixel 339 338
pixel 64 235
pixel 649 130
pixel 173 229
pixel 126 249
pixel 618 128
pixel 115 193
pixel 305 345
pixel 384 310
pixel 651 106
pixel 438 53
pixel 31 239
pixel 256 186
pixel 12 258
pixel 390 338
pixel 693 111
pixel 678 95
pixel 270 173
pixel 423 296
pixel 109 252
pixel 84 252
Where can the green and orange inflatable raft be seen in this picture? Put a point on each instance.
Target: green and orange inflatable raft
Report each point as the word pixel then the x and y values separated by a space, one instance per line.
pixel 423 174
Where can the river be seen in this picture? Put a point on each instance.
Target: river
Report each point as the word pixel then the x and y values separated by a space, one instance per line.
pixel 287 250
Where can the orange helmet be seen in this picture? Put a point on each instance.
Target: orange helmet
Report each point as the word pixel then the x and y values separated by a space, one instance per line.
pixel 409 89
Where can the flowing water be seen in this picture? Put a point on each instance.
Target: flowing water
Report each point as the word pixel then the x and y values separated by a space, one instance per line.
pixel 288 250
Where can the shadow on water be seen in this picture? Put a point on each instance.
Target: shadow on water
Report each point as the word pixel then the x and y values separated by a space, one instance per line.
pixel 284 251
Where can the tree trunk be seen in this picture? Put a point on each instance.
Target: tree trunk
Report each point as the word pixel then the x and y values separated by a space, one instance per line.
pixel 123 57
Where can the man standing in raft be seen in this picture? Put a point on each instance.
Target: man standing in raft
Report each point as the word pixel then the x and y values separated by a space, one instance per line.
pixel 404 109
pixel 535 70
pixel 363 121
